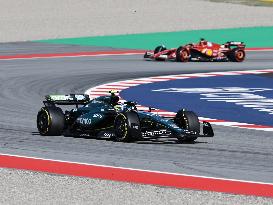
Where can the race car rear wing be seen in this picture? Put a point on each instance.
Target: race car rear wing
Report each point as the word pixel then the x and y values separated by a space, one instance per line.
pixel 235 43
pixel 71 99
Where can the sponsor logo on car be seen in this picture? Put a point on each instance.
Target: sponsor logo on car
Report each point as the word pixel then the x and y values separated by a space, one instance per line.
pixel 155 133
pixel 97 115
pixel 85 121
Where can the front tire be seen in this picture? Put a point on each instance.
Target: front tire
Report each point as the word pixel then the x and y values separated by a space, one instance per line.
pixel 127 127
pixel 159 49
pixel 50 121
pixel 187 120
pixel 146 55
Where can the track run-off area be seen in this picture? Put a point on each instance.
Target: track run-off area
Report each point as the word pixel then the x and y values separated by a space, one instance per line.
pixel 235 155
pixel 261 115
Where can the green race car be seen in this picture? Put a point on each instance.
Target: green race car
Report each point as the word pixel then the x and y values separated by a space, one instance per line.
pixel 106 116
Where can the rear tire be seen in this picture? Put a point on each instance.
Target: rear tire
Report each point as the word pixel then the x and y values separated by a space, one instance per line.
pixel 182 54
pixel 50 121
pixel 157 50
pixel 187 120
pixel 237 55
pixel 127 127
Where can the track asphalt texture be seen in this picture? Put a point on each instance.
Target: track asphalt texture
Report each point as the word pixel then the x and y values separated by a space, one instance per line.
pixel 234 153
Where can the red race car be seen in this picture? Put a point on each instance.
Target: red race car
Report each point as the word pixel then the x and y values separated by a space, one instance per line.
pixel 201 51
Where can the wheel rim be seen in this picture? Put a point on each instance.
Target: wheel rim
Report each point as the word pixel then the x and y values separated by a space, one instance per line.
pixel 121 128
pixel 43 122
pixel 240 55
pixel 184 55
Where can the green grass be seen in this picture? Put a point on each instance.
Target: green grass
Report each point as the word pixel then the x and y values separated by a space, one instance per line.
pixel 252 36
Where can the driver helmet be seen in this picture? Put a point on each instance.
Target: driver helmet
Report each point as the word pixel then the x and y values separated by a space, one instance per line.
pixel 114 100
pixel 202 42
pixel 120 107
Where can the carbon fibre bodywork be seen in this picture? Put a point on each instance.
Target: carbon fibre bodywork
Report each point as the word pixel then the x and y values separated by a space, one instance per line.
pixel 97 117
pixel 201 51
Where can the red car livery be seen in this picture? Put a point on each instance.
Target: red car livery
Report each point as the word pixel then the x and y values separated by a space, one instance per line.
pixel 201 51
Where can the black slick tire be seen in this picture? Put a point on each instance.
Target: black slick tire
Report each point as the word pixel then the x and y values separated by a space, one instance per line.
pixel 182 54
pixel 187 120
pixel 146 55
pixel 159 49
pixel 237 55
pixel 50 121
pixel 127 127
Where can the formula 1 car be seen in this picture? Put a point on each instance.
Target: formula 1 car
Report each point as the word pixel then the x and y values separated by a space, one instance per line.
pixel 201 51
pixel 105 116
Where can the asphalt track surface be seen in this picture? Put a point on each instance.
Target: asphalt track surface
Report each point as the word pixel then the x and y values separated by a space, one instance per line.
pixel 233 153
